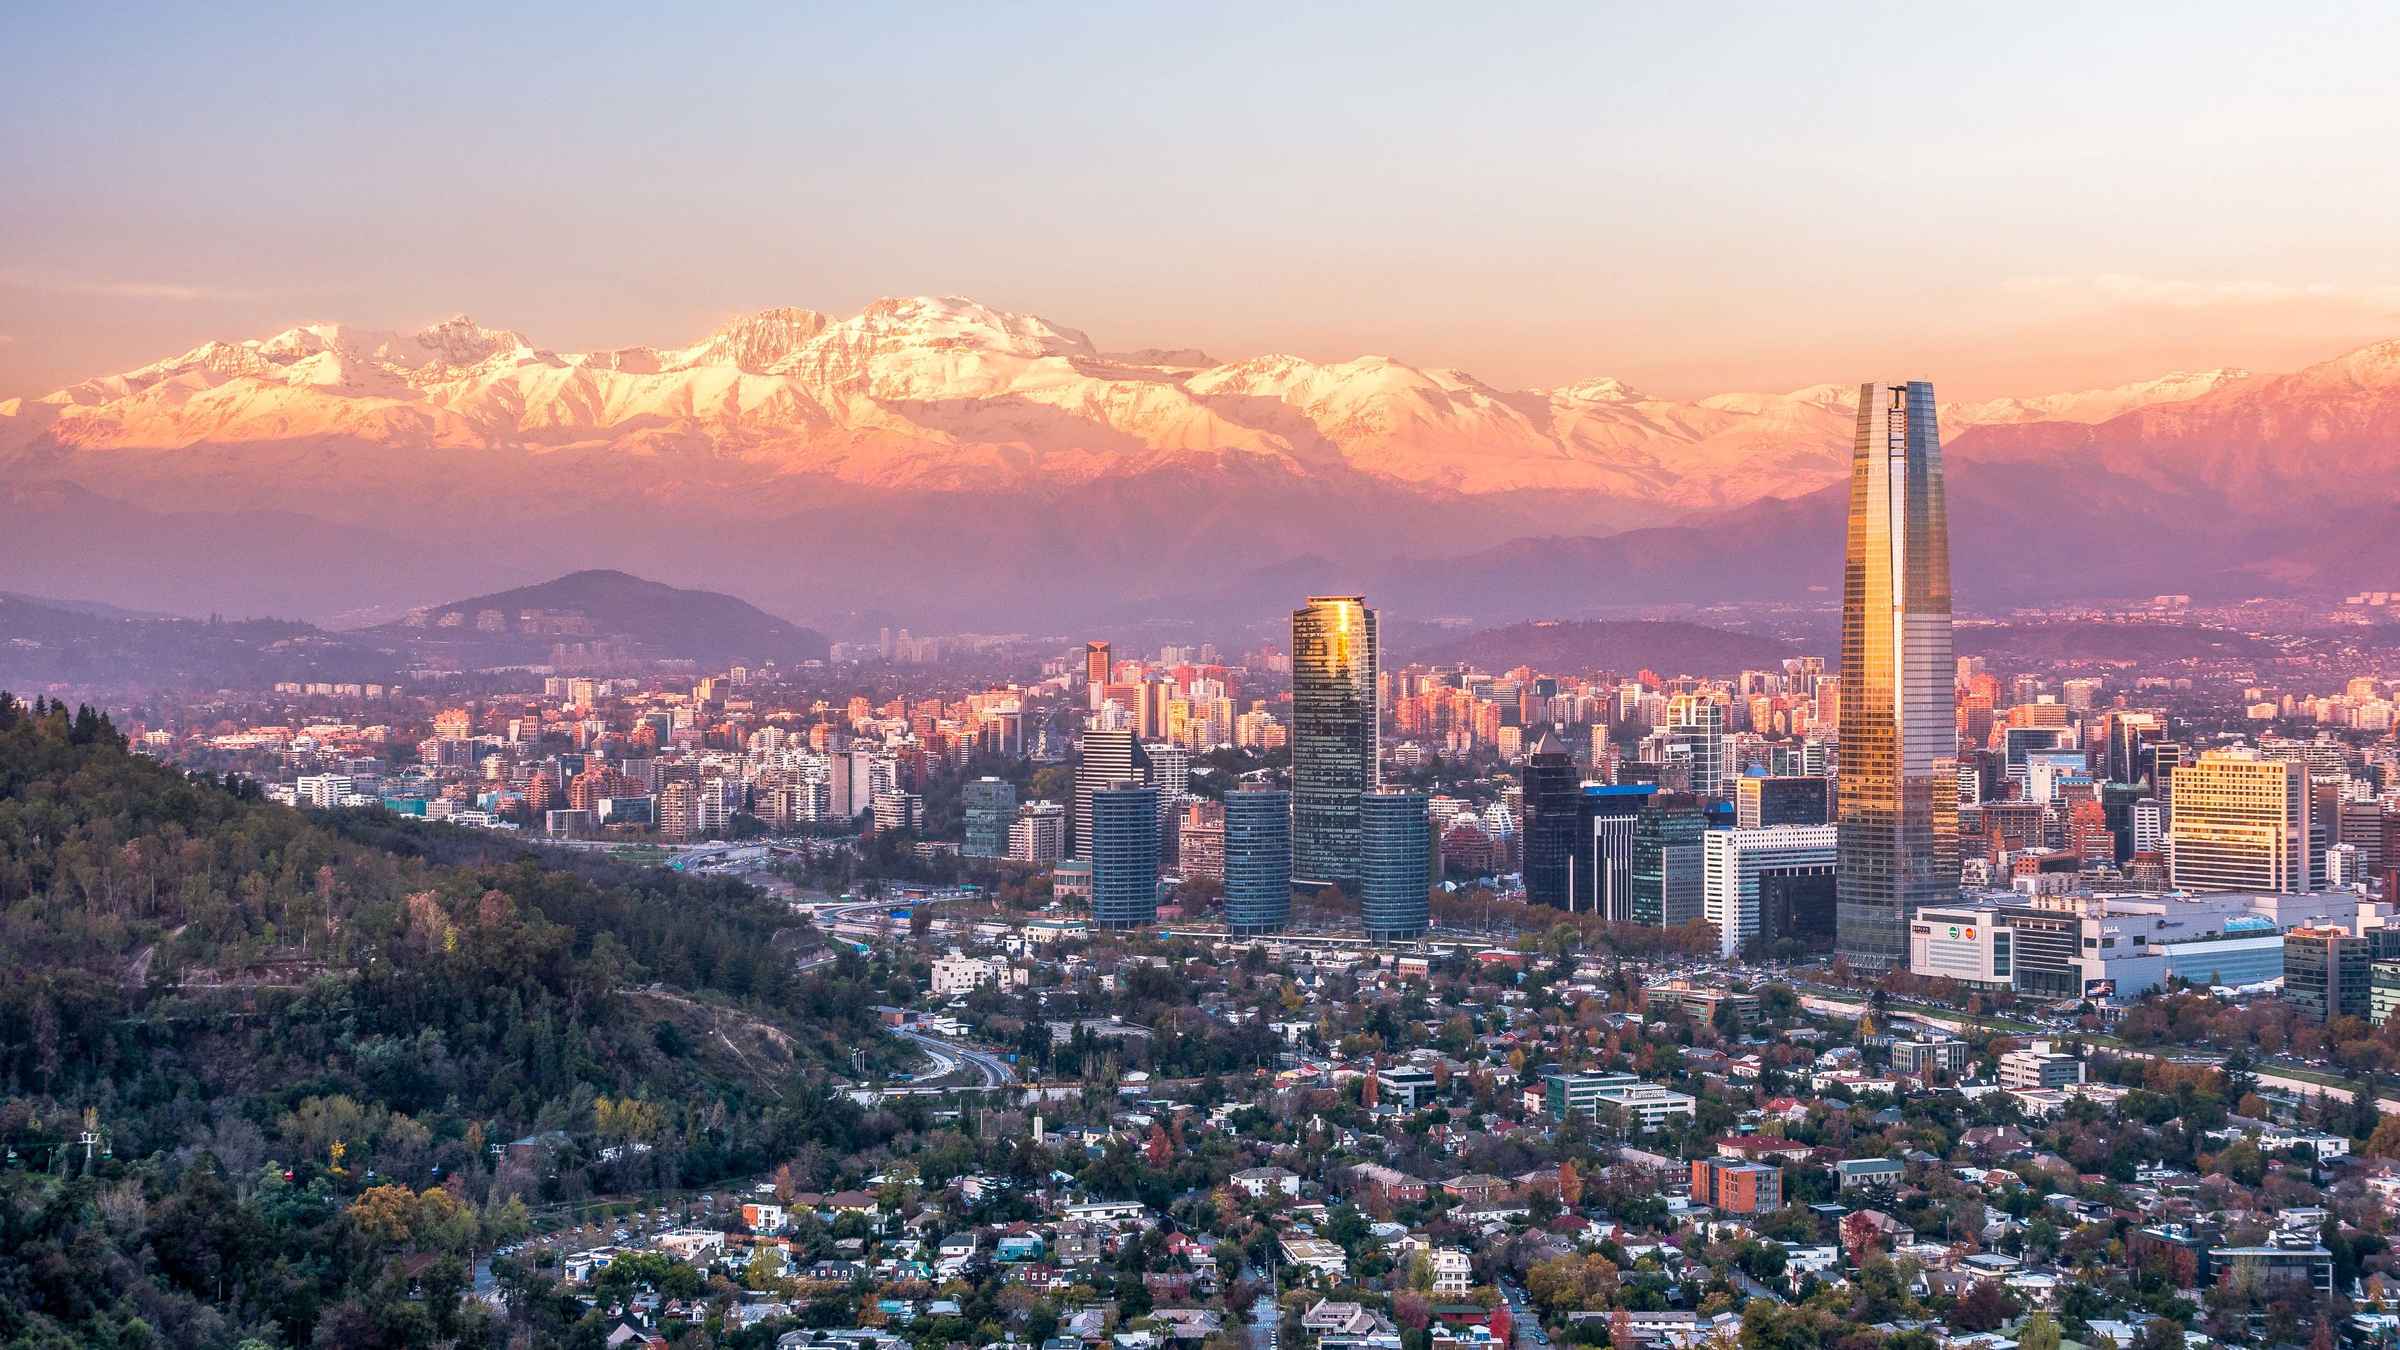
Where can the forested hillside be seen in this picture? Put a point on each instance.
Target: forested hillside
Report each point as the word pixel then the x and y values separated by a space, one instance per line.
pixel 304 1043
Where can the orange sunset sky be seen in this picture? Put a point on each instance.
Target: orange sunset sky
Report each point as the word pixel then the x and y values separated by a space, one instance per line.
pixel 2013 199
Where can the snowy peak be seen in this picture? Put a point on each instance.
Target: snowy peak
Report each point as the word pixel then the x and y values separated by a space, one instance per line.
pixel 457 341
pixel 1604 389
pixel 2093 405
pixel 753 343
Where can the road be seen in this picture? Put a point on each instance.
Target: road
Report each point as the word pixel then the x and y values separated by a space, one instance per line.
pixel 992 1069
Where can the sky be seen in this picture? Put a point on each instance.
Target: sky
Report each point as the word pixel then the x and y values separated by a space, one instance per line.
pixel 2005 199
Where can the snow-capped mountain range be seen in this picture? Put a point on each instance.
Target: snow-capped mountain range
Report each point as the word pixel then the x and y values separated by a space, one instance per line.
pixel 946 393
pixel 933 451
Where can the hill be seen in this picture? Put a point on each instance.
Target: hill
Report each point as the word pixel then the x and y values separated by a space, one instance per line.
pixel 603 605
pixel 96 649
pixel 1624 645
pixel 308 1039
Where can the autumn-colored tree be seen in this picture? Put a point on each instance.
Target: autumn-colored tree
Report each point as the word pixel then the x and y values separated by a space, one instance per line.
pixel 1570 1184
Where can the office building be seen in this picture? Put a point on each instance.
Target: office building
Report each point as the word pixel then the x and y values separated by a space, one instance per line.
pixel 1763 802
pixel 2240 823
pixel 1396 864
pixel 1109 759
pixel 2328 972
pixel 1335 716
pixel 1696 736
pixel 2039 1065
pixel 1096 668
pixel 1124 856
pixel 1600 871
pixel 1258 860
pixel 990 808
pixel 1553 804
pixel 1668 877
pixel 1737 864
pixel 1898 790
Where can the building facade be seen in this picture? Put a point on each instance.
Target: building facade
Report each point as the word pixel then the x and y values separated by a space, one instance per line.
pixel 1124 856
pixel 1898 789
pixel 1397 865
pixel 1336 715
pixel 1258 860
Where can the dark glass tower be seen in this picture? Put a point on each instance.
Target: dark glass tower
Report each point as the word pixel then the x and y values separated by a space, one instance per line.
pixel 1553 799
pixel 1667 872
pixel 1334 724
pixel 1398 865
pixel 1258 861
pixel 1898 814
pixel 1124 856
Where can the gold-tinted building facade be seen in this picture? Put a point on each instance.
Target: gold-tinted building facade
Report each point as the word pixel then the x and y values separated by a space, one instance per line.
pixel 1898 783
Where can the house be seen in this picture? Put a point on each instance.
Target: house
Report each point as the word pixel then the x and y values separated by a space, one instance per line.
pixel 1476 1188
pixel 1453 1272
pixel 1389 1183
pixel 1265 1183
pixel 1317 1256
pixel 1019 1247
pixel 760 1217
pixel 1868 1173
pixel 955 1252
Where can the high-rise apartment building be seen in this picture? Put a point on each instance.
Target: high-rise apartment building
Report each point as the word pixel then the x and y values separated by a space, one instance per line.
pixel 2327 972
pixel 1553 802
pixel 1898 814
pixel 1038 834
pixel 1396 865
pixel 1124 856
pixel 1335 716
pixel 2240 823
pixel 1258 860
pixel 1200 841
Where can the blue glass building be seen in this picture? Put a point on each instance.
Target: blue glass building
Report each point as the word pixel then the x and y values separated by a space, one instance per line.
pixel 1124 856
pixel 1395 866
pixel 1258 861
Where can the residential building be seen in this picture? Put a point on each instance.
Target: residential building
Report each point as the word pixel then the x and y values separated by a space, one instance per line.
pixel 1735 1186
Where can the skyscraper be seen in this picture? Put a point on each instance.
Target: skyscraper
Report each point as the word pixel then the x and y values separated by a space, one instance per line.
pixel 1396 863
pixel 1335 715
pixel 1600 870
pixel 1096 667
pixel 1124 856
pixel 1258 860
pixel 1898 821
pixel 1553 800
pixel 1110 759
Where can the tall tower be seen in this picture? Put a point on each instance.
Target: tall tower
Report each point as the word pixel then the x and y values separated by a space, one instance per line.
pixel 1335 716
pixel 1898 849
pixel 1553 800
pixel 1397 866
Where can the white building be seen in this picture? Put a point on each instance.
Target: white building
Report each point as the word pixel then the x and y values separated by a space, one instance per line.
pixel 1453 1272
pixel 2038 1065
pixel 1733 861
pixel 960 974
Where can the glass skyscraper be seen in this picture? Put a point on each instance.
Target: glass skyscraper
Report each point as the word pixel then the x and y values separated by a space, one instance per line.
pixel 1124 856
pixel 1397 865
pixel 1898 787
pixel 1553 800
pixel 1335 716
pixel 1258 860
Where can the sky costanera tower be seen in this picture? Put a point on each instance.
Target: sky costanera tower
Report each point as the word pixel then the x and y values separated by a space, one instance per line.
pixel 1898 786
